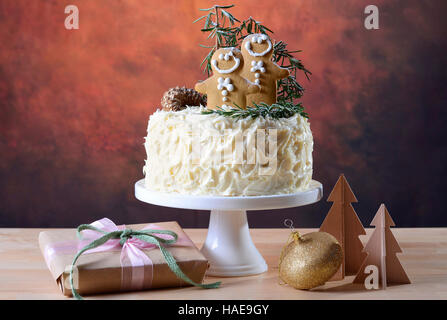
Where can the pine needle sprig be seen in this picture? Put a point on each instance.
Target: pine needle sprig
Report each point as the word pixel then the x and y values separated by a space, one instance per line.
pixel 289 88
pixel 275 111
pixel 219 23
pixel 250 26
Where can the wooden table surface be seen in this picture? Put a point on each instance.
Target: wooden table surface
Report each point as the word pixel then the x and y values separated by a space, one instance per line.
pixel 24 275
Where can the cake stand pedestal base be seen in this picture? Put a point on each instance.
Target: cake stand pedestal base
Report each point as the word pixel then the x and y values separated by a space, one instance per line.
pixel 228 246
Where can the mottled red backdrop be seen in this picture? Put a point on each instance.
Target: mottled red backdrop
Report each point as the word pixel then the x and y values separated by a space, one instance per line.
pixel 75 104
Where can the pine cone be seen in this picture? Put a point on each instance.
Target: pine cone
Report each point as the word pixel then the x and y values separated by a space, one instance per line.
pixel 176 99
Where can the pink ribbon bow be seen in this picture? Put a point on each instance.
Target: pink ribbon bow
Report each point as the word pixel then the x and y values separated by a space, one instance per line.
pixel 133 260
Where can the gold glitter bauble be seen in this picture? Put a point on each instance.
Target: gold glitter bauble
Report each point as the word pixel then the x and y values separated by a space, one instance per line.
pixel 308 261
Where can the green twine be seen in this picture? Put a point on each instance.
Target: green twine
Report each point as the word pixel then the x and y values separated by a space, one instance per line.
pixel 149 236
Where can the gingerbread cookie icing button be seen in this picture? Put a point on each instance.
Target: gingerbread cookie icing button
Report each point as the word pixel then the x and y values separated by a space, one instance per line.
pixel 257 65
pixel 224 85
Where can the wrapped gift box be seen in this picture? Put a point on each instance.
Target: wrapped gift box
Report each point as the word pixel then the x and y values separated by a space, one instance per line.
pixel 102 270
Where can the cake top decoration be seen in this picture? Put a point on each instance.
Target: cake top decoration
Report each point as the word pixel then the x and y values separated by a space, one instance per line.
pixel 245 50
pixel 249 74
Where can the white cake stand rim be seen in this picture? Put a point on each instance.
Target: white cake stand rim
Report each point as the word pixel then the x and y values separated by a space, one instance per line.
pixel 199 202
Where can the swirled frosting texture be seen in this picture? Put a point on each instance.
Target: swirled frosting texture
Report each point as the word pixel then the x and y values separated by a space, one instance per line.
pixel 192 153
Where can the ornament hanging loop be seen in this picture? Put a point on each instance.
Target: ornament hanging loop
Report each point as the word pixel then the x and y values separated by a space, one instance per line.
pixel 295 235
pixel 289 224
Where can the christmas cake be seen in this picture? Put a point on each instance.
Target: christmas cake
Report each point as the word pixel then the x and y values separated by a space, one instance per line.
pixel 240 132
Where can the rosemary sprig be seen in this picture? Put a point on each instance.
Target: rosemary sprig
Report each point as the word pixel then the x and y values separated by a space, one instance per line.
pixel 289 88
pixel 275 111
pixel 219 24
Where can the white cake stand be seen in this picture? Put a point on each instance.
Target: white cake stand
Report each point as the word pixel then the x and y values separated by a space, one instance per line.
pixel 228 245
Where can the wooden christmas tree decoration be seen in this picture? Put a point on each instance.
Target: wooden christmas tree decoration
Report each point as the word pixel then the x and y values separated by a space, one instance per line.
pixel 343 223
pixel 382 247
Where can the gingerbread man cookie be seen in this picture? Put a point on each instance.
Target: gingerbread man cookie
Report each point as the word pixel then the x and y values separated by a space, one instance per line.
pixel 257 51
pixel 226 88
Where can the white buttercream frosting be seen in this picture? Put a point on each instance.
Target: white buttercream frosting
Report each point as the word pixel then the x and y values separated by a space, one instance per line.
pixel 192 153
